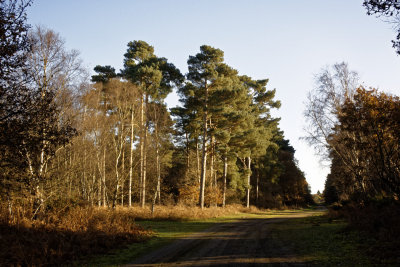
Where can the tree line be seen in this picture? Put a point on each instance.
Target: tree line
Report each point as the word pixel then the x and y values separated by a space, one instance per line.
pixel 110 140
pixel 357 129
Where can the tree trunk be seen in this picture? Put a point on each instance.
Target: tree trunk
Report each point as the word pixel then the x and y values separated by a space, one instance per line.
pixel 212 184
pixel 70 180
pixel 145 156
pixel 104 177
pixel 211 157
pixel 258 180
pixel 204 156
pixel 187 156
pixel 158 163
pixel 158 193
pixel 141 146
pixel 198 160
pixel 85 178
pixel 248 182
pixel 99 192
pixel 100 177
pixel 92 190
pixel 68 176
pixel 123 174
pixel 203 171
pixel 213 174
pixel 131 161
pixel 119 146
pixel 225 174
pixel 38 201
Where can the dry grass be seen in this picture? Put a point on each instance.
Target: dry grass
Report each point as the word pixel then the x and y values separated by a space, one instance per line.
pixel 70 234
pixel 57 239
pixel 184 213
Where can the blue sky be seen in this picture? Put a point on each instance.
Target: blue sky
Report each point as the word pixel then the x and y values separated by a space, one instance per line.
pixel 287 41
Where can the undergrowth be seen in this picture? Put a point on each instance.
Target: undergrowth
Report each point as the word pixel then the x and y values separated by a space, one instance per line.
pixel 56 239
pixel 71 234
pixel 184 213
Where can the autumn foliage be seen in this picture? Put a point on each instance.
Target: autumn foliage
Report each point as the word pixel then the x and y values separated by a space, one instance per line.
pixel 364 183
pixel 366 147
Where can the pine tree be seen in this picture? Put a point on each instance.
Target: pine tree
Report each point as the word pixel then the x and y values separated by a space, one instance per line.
pixel 202 78
pixel 259 134
pixel 155 78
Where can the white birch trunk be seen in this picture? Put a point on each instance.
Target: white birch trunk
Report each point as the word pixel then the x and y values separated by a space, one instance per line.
pixel 118 144
pixel 123 175
pixel 141 146
pixel 131 162
pixel 104 177
pixel 198 161
pixel 144 157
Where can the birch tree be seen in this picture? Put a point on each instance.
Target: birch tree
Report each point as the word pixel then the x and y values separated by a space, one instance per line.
pixel 332 86
pixel 324 107
pixel 55 72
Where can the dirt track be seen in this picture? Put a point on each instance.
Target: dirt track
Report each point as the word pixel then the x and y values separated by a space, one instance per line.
pixel 246 242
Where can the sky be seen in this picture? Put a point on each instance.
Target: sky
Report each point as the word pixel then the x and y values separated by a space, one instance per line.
pixel 287 41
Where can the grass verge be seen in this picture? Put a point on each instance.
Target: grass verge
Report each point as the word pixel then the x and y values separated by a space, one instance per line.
pixel 166 232
pixel 325 242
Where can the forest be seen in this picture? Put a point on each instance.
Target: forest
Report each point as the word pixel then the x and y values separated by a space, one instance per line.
pixel 112 141
pixel 70 140
pixel 83 152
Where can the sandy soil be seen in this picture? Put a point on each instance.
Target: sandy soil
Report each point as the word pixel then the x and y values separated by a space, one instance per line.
pixel 245 242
